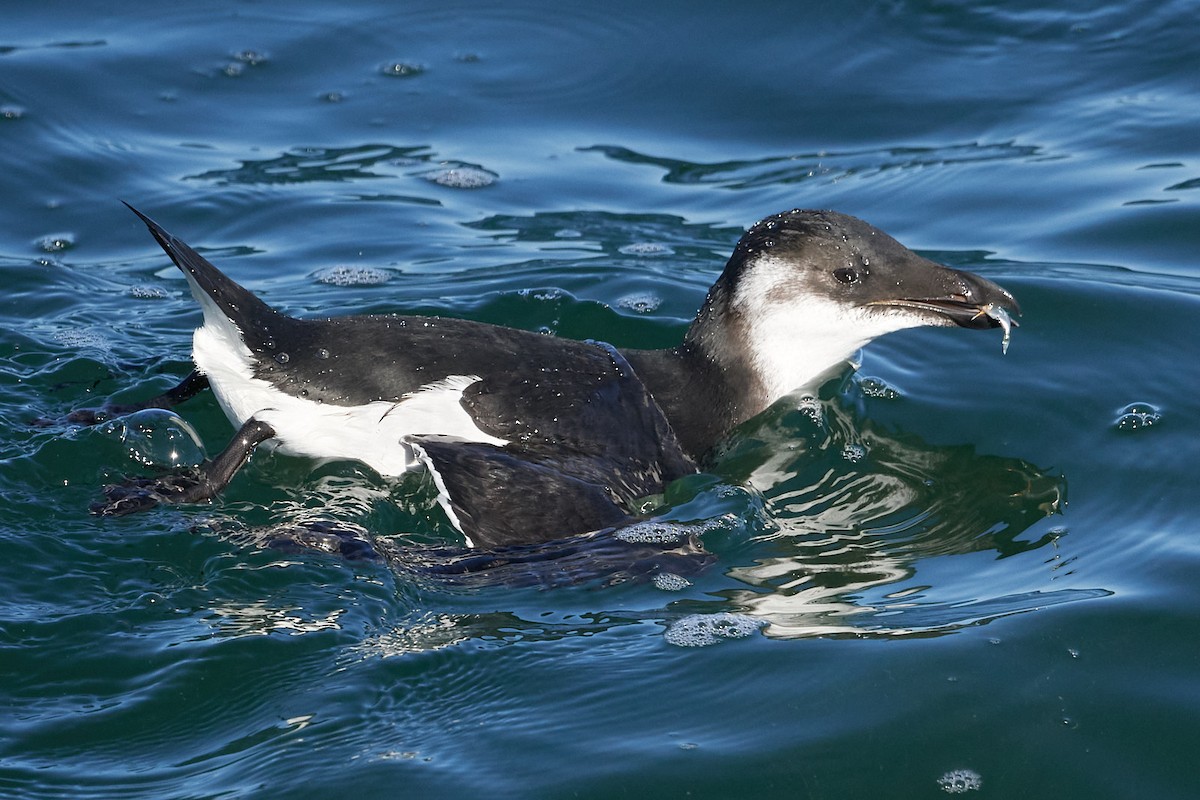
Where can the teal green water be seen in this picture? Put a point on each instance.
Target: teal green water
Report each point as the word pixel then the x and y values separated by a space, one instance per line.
pixel 957 570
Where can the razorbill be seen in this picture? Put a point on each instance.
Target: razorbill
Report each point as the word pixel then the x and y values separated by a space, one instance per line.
pixel 530 437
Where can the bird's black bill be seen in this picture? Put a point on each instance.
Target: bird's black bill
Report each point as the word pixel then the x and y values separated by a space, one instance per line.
pixel 973 302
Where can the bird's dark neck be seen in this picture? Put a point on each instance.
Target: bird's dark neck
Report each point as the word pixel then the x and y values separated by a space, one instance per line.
pixel 707 386
pixel 703 398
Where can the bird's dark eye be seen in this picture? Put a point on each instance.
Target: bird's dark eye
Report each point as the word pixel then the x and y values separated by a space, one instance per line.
pixel 846 275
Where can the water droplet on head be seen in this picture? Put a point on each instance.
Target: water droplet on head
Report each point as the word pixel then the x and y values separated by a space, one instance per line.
pixel 322 353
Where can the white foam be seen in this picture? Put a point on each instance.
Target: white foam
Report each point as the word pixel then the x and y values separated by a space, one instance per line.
pixel 700 630
pixel 670 582
pixel 353 276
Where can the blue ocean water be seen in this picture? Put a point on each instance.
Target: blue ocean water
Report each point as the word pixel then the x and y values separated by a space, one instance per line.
pixel 956 571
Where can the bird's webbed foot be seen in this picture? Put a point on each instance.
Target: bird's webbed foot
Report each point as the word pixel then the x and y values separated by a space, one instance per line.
pixel 191 485
pixel 141 493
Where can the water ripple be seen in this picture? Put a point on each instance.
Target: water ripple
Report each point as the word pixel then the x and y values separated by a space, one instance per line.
pixel 825 167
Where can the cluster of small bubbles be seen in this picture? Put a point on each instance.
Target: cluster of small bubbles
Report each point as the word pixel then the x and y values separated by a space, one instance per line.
pixel 251 57
pixel 854 452
pixel 81 337
pixel 811 408
pixel 149 292
pixel 670 582
pixel 57 242
pixel 11 112
pixel 567 233
pixel 353 276
pixel 282 358
pixel 401 69
pixel 642 302
pixel 875 387
pixel 960 781
pixel 462 177
pixel 333 97
pixel 648 532
pixel 699 630
pixel 1073 652
pixel 541 294
pixel 1136 416
pixel 648 249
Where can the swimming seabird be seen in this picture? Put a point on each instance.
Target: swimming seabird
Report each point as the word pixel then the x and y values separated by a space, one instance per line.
pixel 530 437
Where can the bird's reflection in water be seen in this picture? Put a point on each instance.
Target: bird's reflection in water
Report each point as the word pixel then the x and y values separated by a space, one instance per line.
pixel 814 521
pixel 857 510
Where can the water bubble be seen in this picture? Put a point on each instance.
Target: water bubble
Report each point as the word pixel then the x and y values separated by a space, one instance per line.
pixel 155 437
pixel 462 177
pixel 251 57
pixel 567 233
pixel 11 112
pixel 699 630
pixel 149 600
pixel 876 387
pixel 642 302
pixel 353 276
pixel 1137 416
pixel 648 249
pixel 670 582
pixel 57 242
pixel 333 97
pixel 322 353
pixel 402 69
pixel 282 358
pixel 960 781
